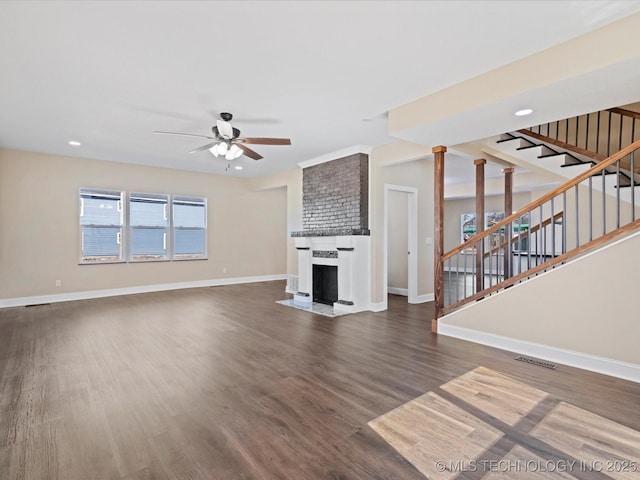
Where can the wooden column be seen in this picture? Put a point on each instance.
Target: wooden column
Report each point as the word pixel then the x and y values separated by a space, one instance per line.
pixel 438 242
pixel 508 209
pixel 479 222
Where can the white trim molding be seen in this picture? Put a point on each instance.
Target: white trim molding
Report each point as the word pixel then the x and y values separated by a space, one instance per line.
pixel 427 297
pixel 412 239
pixel 378 307
pixel 327 157
pixel 585 361
pixel 398 291
pixel 112 292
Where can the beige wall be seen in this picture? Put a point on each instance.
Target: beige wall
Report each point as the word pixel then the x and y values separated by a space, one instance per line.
pixel 39 231
pixel 583 306
pixel 291 181
pixel 409 165
pixel 454 208
pixel 397 228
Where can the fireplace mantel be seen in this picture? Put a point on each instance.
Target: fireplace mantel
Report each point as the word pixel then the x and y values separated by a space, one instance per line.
pixel 351 254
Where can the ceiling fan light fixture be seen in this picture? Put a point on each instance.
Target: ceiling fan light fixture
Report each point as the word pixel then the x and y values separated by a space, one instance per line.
pixel 234 152
pixel 222 148
pixel 214 150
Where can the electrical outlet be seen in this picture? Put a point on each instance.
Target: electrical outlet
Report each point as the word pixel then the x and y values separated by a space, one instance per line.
pixel 58 283
pixel 224 269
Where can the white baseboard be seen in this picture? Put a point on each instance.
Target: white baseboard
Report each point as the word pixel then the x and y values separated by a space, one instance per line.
pixel 398 291
pixel 585 361
pixel 66 297
pixel 427 297
pixel 378 307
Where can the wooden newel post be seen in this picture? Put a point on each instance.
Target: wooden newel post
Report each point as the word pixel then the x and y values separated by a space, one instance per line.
pixel 508 209
pixel 479 222
pixel 438 242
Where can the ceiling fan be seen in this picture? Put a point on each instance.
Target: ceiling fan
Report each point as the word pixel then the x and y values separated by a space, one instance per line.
pixel 227 141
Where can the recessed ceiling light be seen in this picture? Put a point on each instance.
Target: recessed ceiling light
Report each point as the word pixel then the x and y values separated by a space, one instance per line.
pixel 238 167
pixel 522 113
pixel 74 143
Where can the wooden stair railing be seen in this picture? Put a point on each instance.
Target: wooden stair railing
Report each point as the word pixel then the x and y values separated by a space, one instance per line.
pixel 589 217
pixel 593 135
pixel 529 232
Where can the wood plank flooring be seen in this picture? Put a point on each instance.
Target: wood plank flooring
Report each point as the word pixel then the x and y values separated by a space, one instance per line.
pixel 428 429
pixel 223 383
pixel 500 396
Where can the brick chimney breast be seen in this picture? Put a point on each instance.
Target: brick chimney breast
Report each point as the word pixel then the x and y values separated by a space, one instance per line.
pixel 335 198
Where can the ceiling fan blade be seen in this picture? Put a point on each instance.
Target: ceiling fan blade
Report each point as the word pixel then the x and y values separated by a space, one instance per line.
pixel 266 141
pixel 183 134
pixel 250 153
pixel 204 147
pixel 225 129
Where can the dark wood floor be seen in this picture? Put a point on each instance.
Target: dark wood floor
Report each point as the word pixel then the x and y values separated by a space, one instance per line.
pixel 223 383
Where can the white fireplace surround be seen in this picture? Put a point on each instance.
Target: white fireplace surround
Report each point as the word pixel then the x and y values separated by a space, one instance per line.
pixel 353 262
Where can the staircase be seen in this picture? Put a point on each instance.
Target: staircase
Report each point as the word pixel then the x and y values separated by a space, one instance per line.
pixel 537 155
pixel 598 201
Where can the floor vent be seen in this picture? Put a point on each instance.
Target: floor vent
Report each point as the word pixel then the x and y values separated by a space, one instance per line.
pixel 292 283
pixel 539 363
pixel 37 305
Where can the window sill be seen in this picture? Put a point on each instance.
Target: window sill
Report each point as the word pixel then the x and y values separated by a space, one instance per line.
pixel 101 262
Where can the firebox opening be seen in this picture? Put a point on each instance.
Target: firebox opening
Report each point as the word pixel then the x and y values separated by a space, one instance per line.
pixel 325 284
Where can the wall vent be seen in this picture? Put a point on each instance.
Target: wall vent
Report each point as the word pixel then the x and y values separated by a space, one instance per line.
pixel 538 363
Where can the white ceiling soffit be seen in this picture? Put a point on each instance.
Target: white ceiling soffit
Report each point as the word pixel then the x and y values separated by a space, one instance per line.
pixel 321 73
pixel 598 70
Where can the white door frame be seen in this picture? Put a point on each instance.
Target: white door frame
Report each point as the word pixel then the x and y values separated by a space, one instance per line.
pixel 412 237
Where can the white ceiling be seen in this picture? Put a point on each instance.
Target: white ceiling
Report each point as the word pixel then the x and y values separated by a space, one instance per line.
pixel 321 73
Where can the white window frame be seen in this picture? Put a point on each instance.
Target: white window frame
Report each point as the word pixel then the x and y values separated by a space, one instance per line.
pixel 87 260
pixel 174 229
pixel 167 228
pixel 126 229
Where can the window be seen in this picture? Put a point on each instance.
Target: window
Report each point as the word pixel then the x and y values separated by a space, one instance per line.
pixel 189 228
pixel 156 226
pixel 101 222
pixel 148 227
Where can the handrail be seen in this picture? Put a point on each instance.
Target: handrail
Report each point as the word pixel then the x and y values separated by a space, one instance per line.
pixel 598 157
pixel 595 135
pixel 493 272
pixel 544 266
pixel 625 112
pixel 594 170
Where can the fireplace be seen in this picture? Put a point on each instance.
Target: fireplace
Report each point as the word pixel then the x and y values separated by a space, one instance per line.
pixel 325 284
pixel 347 260
pixel 334 247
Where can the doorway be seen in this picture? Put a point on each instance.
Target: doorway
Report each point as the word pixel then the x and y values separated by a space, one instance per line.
pixel 401 242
